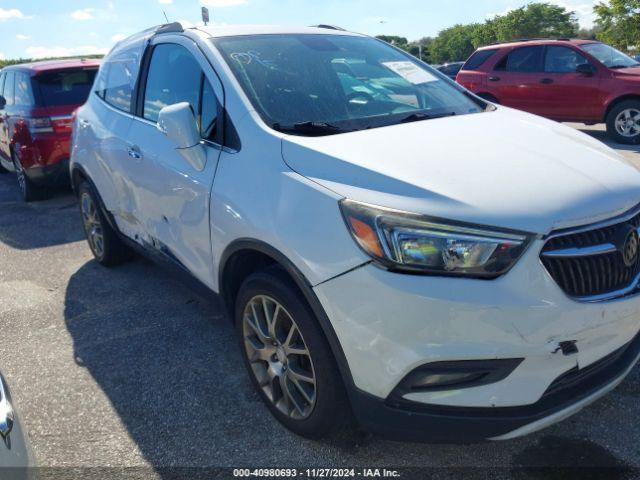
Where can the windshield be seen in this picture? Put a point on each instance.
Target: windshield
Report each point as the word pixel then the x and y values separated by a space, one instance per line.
pixel 65 87
pixel 611 57
pixel 335 83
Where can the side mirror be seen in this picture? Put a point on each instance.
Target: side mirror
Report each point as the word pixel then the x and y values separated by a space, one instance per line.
pixel 585 69
pixel 178 123
pixel 3 102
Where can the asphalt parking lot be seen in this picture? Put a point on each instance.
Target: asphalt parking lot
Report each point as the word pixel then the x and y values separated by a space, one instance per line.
pixel 128 368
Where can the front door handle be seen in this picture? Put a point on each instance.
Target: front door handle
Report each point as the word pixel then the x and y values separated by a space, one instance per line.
pixel 6 412
pixel 134 152
pixel 494 79
pixel 546 81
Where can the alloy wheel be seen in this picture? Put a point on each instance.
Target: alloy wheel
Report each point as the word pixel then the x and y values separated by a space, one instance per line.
pixel 628 122
pixel 21 176
pixel 92 224
pixel 279 357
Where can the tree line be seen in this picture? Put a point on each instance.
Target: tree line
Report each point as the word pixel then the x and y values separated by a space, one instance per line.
pixel 617 23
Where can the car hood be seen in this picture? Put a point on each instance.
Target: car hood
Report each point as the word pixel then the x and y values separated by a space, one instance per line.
pixel 504 168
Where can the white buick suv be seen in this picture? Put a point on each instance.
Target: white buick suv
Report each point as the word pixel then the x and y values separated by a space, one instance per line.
pixel 390 247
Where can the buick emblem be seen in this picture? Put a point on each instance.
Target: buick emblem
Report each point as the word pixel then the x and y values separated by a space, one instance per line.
pixel 630 248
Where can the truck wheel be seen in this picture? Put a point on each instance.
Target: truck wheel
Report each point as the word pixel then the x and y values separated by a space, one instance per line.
pixel 287 356
pixel 623 122
pixel 105 244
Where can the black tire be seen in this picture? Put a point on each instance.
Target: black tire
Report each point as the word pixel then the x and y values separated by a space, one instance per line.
pixel 111 250
pixel 615 114
pixel 331 409
pixel 28 191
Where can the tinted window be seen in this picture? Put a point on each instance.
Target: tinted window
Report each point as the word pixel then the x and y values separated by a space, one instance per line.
pixel 23 91
pixel 65 87
pixel 2 77
pixel 450 69
pixel 478 59
pixel 117 79
pixel 174 77
pixel 7 91
pixel 349 82
pixel 525 60
pixel 209 112
pixel 611 57
pixel 562 60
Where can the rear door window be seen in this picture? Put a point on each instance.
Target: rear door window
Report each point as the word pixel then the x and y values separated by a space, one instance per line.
pixel 65 87
pixel 523 60
pixel 478 59
pixel 117 79
pixel 23 90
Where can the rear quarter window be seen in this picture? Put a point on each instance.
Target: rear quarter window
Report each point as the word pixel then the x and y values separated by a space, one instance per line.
pixel 479 58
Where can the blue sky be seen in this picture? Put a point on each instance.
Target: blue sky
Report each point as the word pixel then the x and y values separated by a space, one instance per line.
pixel 40 28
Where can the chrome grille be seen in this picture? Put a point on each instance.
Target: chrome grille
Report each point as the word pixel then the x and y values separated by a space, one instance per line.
pixel 589 264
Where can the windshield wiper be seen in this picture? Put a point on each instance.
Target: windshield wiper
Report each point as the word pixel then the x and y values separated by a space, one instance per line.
pixel 618 67
pixel 418 116
pixel 310 128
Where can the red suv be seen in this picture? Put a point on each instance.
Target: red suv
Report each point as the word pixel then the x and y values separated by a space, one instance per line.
pixel 565 80
pixel 37 102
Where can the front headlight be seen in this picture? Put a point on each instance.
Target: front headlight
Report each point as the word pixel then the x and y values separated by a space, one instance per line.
pixel 410 242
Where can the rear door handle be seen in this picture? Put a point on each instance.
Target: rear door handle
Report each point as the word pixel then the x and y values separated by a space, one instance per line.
pixel 546 81
pixel 6 412
pixel 494 79
pixel 134 152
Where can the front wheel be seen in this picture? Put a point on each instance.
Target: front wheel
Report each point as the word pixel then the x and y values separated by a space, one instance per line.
pixel 104 242
pixel 623 122
pixel 287 356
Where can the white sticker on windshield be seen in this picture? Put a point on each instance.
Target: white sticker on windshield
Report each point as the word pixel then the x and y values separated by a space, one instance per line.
pixel 411 72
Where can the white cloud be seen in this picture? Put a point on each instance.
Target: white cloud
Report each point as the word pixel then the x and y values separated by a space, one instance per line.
pixel 165 2
pixel 58 51
pixel 2 56
pixel 583 9
pixel 506 10
pixel 10 13
pixel 118 37
pixel 23 37
pixel 86 14
pixel 223 3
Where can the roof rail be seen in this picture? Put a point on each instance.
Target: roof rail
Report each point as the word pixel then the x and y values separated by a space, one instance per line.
pixel 522 40
pixel 329 27
pixel 175 27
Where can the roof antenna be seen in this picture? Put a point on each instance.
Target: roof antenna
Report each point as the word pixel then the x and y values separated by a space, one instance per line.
pixel 165 16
